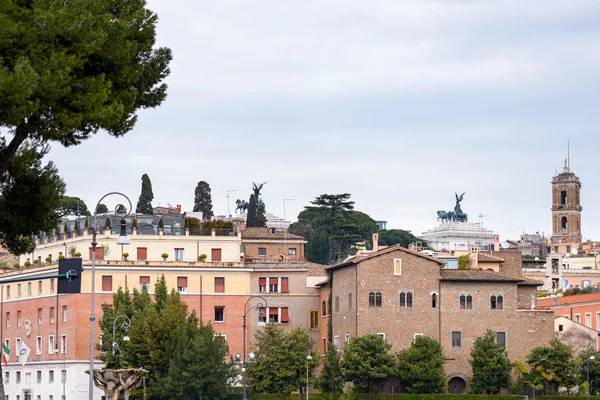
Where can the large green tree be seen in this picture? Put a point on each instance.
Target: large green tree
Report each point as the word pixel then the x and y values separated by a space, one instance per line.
pixel 553 366
pixel 332 379
pixel 74 205
pixel 203 200
pixel 421 366
pixel 30 198
pixel 69 69
pixel 332 227
pixel 280 365
pixel 144 204
pixel 588 366
pixel 367 362
pixel 388 237
pixel 255 216
pixel 491 367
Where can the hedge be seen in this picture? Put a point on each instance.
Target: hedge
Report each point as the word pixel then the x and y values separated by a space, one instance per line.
pixel 348 396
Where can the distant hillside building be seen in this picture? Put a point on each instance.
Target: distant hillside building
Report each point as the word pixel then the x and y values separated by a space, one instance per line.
pixel 459 236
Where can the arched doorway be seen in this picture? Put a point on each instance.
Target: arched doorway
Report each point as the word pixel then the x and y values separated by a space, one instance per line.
pixel 456 385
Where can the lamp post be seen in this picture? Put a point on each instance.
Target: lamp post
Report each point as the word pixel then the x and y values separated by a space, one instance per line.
pixel 260 307
pixel 123 212
pixel 308 358
pixel 125 325
pixel 588 373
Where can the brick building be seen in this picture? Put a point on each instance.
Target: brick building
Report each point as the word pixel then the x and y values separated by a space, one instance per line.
pixel 401 294
pixel 272 245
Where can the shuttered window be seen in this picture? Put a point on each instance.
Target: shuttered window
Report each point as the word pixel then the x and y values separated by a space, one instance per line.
pixel 182 283
pixel 106 283
pixel 99 253
pixel 273 315
pixel 273 285
pixel 219 285
pixel 215 255
pixel 314 319
pixel 285 318
pixel 144 283
pixel 285 285
pixel 262 284
pixel 142 253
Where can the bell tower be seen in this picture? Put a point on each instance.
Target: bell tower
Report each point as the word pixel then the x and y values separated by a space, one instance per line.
pixel 566 210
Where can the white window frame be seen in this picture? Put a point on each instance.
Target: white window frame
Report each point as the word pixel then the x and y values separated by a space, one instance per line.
pixel 65 313
pixel 452 346
pixel 38 345
pixel 63 344
pixel 51 376
pixel 416 335
pixel 382 335
pixel 51 344
pixel 397 260
pixel 577 318
pixel 597 320
pixel 178 254
pixel 588 319
pixel 223 320
pixel 292 251
pixel 223 335
pixel 505 338
pixel 336 343
pixel 18 346
pixel 347 338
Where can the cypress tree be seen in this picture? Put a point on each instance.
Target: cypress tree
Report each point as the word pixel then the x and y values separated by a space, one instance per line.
pixel 203 200
pixel 144 205
pixel 251 214
pixel 261 219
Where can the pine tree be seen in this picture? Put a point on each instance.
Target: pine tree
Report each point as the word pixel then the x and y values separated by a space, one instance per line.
pixel 491 367
pixel 144 205
pixel 332 379
pixel 261 219
pixel 203 200
pixel 251 214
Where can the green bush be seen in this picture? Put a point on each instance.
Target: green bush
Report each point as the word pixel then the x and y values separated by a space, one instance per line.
pixel 61 257
pixel 202 257
pixel 48 259
pixel 351 396
pixel 161 224
pixel 36 261
pixel 17 265
pixel 164 256
pixel 4 266
pixel 77 254
pixel 125 255
pixel 27 264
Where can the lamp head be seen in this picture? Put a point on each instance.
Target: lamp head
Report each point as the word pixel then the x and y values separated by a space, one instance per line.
pixel 126 338
pixel 592 357
pixel 261 316
pixel 251 356
pixel 123 238
pixel 309 357
pixel 238 356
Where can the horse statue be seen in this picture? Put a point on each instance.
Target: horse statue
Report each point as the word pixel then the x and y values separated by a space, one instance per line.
pixel 242 205
pixel 461 218
pixel 445 216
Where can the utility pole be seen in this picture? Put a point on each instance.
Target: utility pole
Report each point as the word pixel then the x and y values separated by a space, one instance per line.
pixel 228 210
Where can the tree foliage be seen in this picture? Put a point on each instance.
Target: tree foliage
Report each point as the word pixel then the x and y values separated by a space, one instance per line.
pixel 280 365
pixel 421 366
pixel 491 367
pixel 72 69
pixel 101 209
pixel 332 379
pixel 332 228
pixel 367 362
pixel 30 198
pixel 464 262
pixel 73 205
pixel 255 217
pixel 552 366
pixel 203 200
pixel 182 358
pixel 144 205
pixel 589 366
pixel 388 237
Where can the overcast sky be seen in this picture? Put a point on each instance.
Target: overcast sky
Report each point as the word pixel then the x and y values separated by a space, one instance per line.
pixel 400 103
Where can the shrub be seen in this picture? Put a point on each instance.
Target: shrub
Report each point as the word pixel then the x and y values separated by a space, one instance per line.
pixel 36 261
pixel 202 257
pixel 17 265
pixel 86 224
pixel 125 255
pixel 27 264
pixel 61 257
pixel 48 259
pixel 164 256
pixel 4 266
pixel 107 222
pixel 161 224
pixel 134 223
pixel 77 254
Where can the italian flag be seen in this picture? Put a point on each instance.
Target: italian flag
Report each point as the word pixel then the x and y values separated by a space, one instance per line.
pixel 5 354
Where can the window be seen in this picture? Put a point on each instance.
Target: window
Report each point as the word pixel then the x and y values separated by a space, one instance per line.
pixel 285 317
pixel 178 254
pixel 466 302
pixel 456 339
pixel 577 318
pixel 39 316
pixel 51 344
pixel 182 284
pixel 586 283
pixel 324 308
pixel 262 284
pixel 406 299
pixel 262 251
pixel 347 338
pixel 38 345
pixel 314 319
pixel 337 304
pixel 285 285
pixel 29 289
pixel 7 343
pixel 416 335
pixel 39 288
pixel 18 345
pixel 563 197
pixel 501 339
pixel 292 251
pixel 51 286
pixel 64 313
pixel 19 291
pixel 18 318
pixel 273 315
pixel 219 314
pixel 560 328
pixel 349 301
pixel 496 302
pixel 144 283
pixel 6 377
pixel 382 335
pixel 51 315
pixel 336 343
pixel 220 285
pixel 588 320
pixel 434 300
pixel 51 376
pixel 375 299
pixel 8 318
pixel 597 320
pixel 18 377
pixel 215 255
pixel 142 253
pixel 107 283
pixel 397 266
pixel 63 344
pixel 274 285
pixel 39 376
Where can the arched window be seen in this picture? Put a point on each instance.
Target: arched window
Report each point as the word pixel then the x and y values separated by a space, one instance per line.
pixel 409 300
pixel 406 299
pixel 469 302
pixel 324 311
pixel 500 302
pixel 375 299
pixel 402 299
pixel 563 197
pixel 434 300
pixel 493 302
pixel 564 224
pixel 466 302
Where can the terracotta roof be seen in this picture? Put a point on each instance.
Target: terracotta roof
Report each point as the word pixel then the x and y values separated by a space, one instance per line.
pixel 315 269
pixel 475 275
pixel 268 234
pixel 482 257
pixel 386 250
pixel 530 282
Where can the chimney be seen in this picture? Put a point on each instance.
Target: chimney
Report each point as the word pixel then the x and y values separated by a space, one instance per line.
pixel 178 208
pixel 375 241
pixel 496 242
pixel 474 257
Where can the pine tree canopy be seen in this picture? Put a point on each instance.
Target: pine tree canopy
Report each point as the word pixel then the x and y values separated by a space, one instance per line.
pixel 144 205
pixel 203 200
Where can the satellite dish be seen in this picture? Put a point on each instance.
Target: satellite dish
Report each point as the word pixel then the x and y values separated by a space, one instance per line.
pixel 575 252
pixel 505 245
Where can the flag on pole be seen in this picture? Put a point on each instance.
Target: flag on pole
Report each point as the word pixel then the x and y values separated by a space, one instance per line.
pixel 5 354
pixel 24 354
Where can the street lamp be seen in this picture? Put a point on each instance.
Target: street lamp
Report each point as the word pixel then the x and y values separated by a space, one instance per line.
pixel 260 307
pixel 125 325
pixel 588 374
pixel 123 212
pixel 308 358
